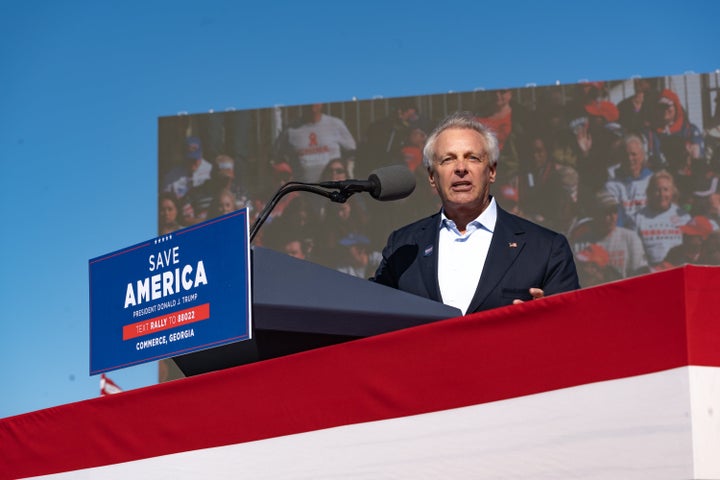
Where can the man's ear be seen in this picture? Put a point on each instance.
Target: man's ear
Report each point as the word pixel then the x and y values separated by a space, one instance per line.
pixel 431 178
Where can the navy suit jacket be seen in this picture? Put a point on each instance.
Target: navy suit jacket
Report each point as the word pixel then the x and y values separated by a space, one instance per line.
pixel 522 255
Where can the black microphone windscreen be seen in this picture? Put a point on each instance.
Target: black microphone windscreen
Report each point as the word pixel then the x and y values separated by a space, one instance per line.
pixel 393 182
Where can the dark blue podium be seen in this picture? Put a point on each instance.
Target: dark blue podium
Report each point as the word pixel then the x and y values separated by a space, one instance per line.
pixel 299 305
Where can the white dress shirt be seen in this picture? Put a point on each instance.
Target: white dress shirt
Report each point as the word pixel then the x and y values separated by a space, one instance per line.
pixel 461 256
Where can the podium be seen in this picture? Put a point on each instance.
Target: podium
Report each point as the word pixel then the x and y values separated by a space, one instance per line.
pixel 616 381
pixel 299 305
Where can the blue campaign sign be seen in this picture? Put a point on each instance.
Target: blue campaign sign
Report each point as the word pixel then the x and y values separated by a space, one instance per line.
pixel 175 294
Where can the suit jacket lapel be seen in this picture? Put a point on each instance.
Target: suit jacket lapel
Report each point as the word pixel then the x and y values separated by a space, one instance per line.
pixel 428 256
pixel 507 243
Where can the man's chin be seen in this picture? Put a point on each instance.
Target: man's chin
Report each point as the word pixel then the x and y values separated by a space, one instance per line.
pixel 461 202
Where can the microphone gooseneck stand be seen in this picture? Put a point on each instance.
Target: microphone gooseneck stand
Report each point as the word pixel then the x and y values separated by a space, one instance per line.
pixel 337 196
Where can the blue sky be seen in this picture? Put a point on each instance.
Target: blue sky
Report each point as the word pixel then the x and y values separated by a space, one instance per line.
pixel 84 83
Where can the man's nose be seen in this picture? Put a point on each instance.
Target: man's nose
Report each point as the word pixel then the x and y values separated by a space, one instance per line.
pixel 461 165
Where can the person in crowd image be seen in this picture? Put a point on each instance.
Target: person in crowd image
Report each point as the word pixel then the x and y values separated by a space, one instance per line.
pixel 216 196
pixel 228 134
pixel 168 213
pixel 385 138
pixel 473 255
pixel 413 145
pixel 636 111
pixel 593 265
pixel 295 248
pixel 670 124
pixel 395 139
pixel 710 254
pixel 335 171
pixel 543 196
pixel 694 235
pixel 292 242
pixel 596 104
pixel 594 134
pixel 191 182
pixel 187 213
pixel 290 235
pixel 629 185
pixel 705 200
pixel 281 174
pixel 594 139
pixel 686 164
pixel 300 218
pixel 355 257
pixel 624 248
pixel 508 121
pixel 313 142
pixel 184 180
pixel 338 221
pixel 223 177
pixel 224 202
pixel 277 175
pixel 658 223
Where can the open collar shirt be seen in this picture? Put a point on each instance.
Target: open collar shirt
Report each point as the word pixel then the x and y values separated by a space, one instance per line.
pixel 462 256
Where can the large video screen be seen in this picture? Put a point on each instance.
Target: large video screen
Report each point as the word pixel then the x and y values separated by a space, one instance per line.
pixel 627 169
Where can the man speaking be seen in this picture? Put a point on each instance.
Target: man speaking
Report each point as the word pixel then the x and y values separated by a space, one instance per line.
pixel 473 255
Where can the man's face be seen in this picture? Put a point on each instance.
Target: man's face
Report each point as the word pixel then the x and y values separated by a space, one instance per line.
pixel 226 204
pixel 635 158
pixel 608 220
pixel 503 98
pixel 461 171
pixel 168 212
pixel 337 172
pixel 294 249
pixel 662 195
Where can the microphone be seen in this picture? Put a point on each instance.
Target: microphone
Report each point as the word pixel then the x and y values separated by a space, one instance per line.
pixel 387 183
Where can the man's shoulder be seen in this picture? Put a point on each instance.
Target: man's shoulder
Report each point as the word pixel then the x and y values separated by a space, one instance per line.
pixel 418 225
pixel 520 224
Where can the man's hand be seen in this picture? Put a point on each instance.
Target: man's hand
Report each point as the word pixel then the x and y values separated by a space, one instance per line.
pixel 534 292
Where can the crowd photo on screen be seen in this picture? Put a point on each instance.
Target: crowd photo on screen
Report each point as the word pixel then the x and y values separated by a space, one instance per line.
pixel 627 169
